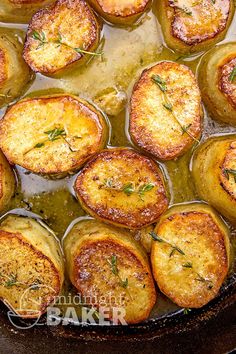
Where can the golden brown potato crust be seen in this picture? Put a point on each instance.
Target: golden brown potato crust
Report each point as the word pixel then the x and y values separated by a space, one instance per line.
pixel 91 248
pixel 23 267
pixel 122 187
pixel 227 85
pixel 58 134
pixel 166 117
pixel 7 182
pixel 197 21
pixel 228 171
pixel 54 47
pixel 192 26
pixel 3 68
pixel 120 11
pixel 192 261
pixel 214 172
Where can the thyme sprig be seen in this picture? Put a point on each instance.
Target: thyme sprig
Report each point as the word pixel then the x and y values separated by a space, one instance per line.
pixel 161 83
pixel 114 268
pixel 53 135
pixel 41 37
pixel 11 280
pixel 228 172
pixel 232 74
pixel 129 188
pixel 174 248
pixel 187 264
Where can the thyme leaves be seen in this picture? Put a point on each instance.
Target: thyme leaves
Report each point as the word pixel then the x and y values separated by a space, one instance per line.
pixel 162 85
pixel 41 37
pixel 115 271
pixel 128 188
pixel 228 172
pixel 187 264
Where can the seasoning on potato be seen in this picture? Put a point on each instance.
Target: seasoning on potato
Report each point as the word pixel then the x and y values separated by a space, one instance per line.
pixel 165 111
pixel 217 80
pixel 31 266
pixel 192 26
pixel 7 182
pixel 214 173
pixel 190 254
pixel 61 36
pixel 120 12
pixel 20 11
pixel 110 269
pixel 122 187
pixel 58 134
pixel 14 73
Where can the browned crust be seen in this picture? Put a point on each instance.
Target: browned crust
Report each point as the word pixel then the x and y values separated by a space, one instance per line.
pixel 226 86
pixel 223 179
pixel 141 135
pixel 76 163
pixel 127 12
pixel 138 219
pixel 180 21
pixel 27 1
pixel 84 262
pixel 216 242
pixel 4 235
pixel 1 180
pixel 41 18
pixel 3 65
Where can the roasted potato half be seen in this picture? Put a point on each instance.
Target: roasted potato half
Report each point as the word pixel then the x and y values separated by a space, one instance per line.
pixel 110 269
pixel 165 110
pixel 7 182
pixel 123 12
pixel 192 26
pixel 190 254
pixel 217 74
pixel 52 135
pixel 122 187
pixel 14 73
pixel 20 11
pixel 31 266
pixel 60 36
pixel 214 173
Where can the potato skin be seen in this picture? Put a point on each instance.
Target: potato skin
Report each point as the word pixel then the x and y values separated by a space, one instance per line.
pixel 30 253
pixel 154 127
pixel 189 27
pixel 101 184
pixel 192 277
pixel 83 127
pixel 218 92
pixel 20 11
pixel 120 12
pixel 7 182
pixel 210 163
pixel 55 53
pixel 14 73
pixel 89 247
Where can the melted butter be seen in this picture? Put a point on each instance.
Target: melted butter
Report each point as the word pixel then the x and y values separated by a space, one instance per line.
pixel 126 53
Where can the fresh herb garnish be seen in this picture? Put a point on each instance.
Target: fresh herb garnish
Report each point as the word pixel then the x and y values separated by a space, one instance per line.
pixel 128 188
pixel 228 172
pixel 55 134
pixel 161 83
pixel 11 281
pixel 174 247
pixel 39 145
pixel 187 265
pixel 115 271
pixel 232 75
pixel 187 311
pixel 41 37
